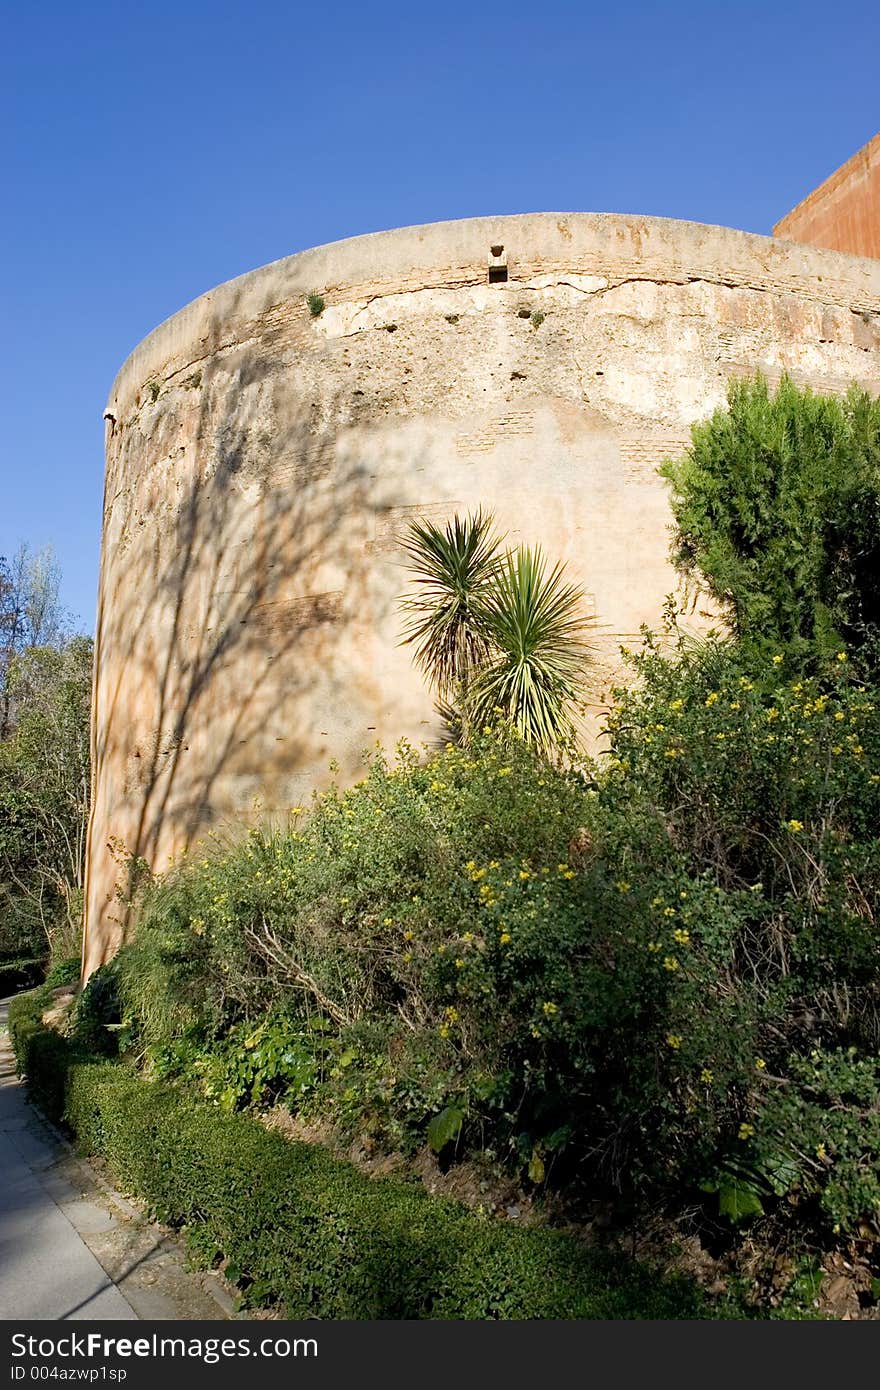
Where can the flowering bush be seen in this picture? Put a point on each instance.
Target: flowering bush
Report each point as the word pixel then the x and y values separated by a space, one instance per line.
pixel 609 975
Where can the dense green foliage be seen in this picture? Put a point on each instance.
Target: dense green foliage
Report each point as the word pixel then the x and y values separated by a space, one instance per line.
pixel 301 1229
pixel 645 976
pixel 44 794
pixel 777 505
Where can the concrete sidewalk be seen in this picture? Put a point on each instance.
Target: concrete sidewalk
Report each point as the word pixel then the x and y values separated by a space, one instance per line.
pixel 46 1269
pixel 70 1247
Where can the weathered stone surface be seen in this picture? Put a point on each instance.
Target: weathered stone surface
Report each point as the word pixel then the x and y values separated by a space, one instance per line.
pixel 843 213
pixel 261 463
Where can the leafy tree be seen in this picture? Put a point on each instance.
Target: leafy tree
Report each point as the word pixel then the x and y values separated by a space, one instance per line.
pixel 44 798
pixel 30 615
pixel 495 632
pixel 777 510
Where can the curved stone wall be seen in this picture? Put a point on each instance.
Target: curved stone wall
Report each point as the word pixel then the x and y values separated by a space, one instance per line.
pixel 261 463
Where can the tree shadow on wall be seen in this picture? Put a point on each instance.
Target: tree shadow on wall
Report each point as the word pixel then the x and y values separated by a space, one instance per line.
pixel 234 546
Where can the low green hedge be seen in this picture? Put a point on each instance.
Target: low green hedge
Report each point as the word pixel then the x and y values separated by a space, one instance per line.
pixel 309 1232
pixel 21 973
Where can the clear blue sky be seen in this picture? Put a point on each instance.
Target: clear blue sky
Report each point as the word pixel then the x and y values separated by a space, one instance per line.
pixel 152 151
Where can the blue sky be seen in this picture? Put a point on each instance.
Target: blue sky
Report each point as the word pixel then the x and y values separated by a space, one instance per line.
pixel 152 151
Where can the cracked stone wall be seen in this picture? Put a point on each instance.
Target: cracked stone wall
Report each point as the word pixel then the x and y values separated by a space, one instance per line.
pixel 261 464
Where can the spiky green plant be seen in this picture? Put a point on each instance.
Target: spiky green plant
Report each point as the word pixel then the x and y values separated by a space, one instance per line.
pixel 451 567
pixel 534 623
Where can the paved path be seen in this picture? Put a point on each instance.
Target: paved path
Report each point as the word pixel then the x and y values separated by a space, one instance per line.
pixel 72 1248
pixel 46 1269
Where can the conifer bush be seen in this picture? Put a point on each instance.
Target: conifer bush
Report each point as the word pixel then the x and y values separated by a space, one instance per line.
pixel 777 509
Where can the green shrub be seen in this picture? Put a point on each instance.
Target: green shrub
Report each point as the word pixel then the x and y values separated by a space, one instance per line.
pixel 64 972
pixel 40 1053
pixel 316 304
pixel 21 972
pixel 97 1013
pixel 777 507
pixel 819 1136
pixel 298 1228
pixel 595 977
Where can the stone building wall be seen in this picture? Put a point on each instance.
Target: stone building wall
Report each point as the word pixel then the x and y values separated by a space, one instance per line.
pixel 261 464
pixel 843 213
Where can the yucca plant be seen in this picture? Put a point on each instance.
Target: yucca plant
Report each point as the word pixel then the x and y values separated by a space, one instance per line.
pixel 495 632
pixel 534 624
pixel 451 568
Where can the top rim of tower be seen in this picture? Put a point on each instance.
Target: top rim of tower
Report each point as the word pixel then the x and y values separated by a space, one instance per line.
pixel 453 254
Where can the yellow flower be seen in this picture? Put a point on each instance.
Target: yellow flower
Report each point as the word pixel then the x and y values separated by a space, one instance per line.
pixel 524 874
pixel 760 1063
pixel 467 936
pixel 653 947
pixel 622 886
pixel 682 937
pixel 777 661
pixel 505 771
pixel 536 1032
pixel 711 699
pixel 772 714
pixel 707 1076
pixel 821 1151
pixel 677 704
pixel 459 964
pixel 673 1040
pixel 746 1131
pixel 670 963
pixel 669 912
pixel 408 935
pixel 504 938
pixel 841 656
pixel 407 956
pixel 794 826
pixel 387 921
pixel 451 1013
pixel 444 1030
pixel 839 716
pixel 550 1008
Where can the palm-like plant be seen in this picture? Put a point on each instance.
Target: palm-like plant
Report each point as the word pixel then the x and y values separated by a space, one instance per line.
pixel 451 567
pixel 495 632
pixel 534 623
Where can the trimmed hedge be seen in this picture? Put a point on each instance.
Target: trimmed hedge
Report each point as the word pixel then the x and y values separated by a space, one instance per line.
pixel 309 1232
pixel 21 973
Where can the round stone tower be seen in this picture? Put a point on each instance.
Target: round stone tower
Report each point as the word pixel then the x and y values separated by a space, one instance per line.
pixel 263 459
